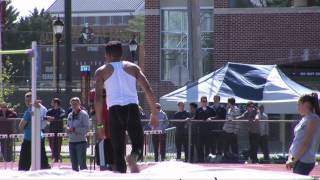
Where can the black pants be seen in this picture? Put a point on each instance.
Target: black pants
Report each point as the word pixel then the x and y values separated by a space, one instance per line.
pixel 254 139
pixel 25 156
pixel 181 140
pixel 203 144
pixel 159 140
pixel 6 149
pixel 263 143
pixel 217 142
pixel 55 146
pixel 124 118
pixel 303 168
pixel 231 140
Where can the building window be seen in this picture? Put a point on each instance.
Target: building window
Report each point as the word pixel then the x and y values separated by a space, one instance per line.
pixel 125 20
pixel 91 20
pixel 97 20
pixel 117 19
pixel 258 3
pixel 76 20
pixel 174 43
pixel 83 20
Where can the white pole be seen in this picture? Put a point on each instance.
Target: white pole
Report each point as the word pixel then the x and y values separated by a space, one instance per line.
pixel 35 139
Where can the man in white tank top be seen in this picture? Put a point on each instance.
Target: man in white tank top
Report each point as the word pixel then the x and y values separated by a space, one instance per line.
pixel 119 79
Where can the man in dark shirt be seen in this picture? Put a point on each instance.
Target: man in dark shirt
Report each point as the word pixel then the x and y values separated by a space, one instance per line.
pixel 181 131
pixel 217 132
pixel 192 112
pixel 203 136
pixel 56 126
pixel 253 130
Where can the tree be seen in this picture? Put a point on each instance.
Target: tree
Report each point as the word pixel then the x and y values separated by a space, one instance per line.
pixel 9 16
pixel 137 25
pixel 8 71
pixel 20 34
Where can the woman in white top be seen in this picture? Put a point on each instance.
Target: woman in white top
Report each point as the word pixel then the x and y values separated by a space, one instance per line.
pixel 302 153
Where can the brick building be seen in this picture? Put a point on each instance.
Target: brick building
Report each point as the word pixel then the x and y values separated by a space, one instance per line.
pixel 108 20
pixel 288 36
pixel 105 20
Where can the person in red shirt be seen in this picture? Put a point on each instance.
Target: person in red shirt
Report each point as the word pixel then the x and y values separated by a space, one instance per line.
pixel 104 160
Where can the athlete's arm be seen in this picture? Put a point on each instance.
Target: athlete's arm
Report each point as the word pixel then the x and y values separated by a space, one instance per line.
pixel 145 85
pixel 98 100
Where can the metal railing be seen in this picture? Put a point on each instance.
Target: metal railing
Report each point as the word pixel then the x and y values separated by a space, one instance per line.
pixel 148 148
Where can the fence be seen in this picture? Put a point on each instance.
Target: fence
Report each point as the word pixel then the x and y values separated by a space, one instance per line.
pixel 9 132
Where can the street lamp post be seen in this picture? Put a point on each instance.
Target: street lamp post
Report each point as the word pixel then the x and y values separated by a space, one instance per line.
pixel 57 30
pixel 133 45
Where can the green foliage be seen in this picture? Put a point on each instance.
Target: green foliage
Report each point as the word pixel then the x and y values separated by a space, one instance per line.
pixel 18 34
pixel 137 25
pixel 6 77
pixel 10 16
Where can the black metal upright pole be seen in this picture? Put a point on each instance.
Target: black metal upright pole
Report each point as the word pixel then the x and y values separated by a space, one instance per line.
pixel 58 67
pixel 68 44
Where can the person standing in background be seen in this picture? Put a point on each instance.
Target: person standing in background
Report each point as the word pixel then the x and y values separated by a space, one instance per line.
pixel 56 126
pixel 6 144
pixel 103 146
pixel 192 113
pixel 261 117
pixel 203 143
pixel 304 147
pixel 77 128
pixel 217 134
pixel 160 139
pixel 25 151
pixel 181 138
pixel 253 130
pixel 231 129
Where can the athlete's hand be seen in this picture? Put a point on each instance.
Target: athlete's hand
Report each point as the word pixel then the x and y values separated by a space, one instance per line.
pixel 100 134
pixel 290 164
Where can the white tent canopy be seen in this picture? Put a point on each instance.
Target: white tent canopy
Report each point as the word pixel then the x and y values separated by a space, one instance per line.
pixel 264 84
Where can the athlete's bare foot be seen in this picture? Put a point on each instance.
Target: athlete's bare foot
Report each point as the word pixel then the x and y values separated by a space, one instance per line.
pixel 132 163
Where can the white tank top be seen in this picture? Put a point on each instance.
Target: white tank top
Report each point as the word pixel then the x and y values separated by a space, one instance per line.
pixel 120 87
